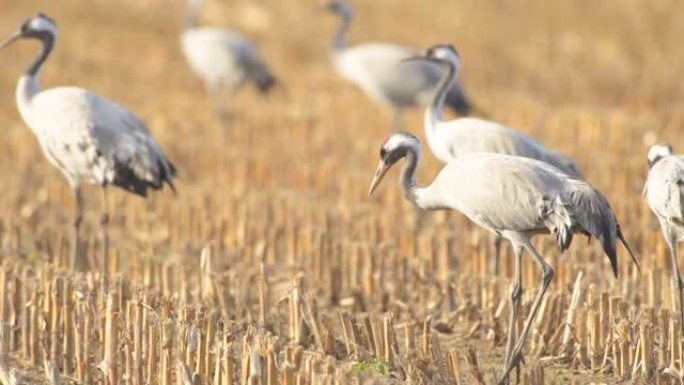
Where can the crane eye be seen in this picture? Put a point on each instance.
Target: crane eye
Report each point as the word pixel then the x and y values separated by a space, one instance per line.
pixel 383 152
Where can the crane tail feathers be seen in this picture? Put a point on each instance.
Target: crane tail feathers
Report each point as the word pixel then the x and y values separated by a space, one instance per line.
pixel 591 214
pixel 265 82
pixel 629 249
pixel 564 163
pixel 126 177
pixel 611 252
pixel 168 176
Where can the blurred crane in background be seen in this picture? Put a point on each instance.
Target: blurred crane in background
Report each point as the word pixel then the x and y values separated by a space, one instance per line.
pixel 374 68
pixel 223 59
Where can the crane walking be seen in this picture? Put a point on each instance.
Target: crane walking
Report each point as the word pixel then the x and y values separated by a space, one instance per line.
pixel 222 58
pixel 664 191
pixel 515 198
pixel 374 68
pixel 89 138
pixel 451 139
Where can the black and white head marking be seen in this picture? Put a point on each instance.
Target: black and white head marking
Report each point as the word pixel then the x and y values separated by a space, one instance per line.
pixel 39 25
pixel 657 152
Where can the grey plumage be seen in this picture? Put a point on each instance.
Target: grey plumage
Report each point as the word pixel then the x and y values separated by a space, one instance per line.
pixel 514 197
pixel 223 58
pixel 593 217
pixel 90 139
pixel 95 140
pixel 375 68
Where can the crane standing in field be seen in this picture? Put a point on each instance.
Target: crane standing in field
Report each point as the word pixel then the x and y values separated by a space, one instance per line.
pixel 222 58
pixel 664 191
pixel 89 138
pixel 373 68
pixel 515 198
pixel 450 139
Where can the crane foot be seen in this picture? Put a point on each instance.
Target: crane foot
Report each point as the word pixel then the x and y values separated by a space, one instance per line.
pixel 514 363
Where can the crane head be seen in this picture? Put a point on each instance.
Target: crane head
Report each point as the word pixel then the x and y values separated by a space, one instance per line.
pixel 657 152
pixel 440 53
pixel 393 148
pixel 443 52
pixel 38 26
pixel 340 7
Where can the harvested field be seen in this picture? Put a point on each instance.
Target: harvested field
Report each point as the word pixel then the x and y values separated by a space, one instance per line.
pixel 272 265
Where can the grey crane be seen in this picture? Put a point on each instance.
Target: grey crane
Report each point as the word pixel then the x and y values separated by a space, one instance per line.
pixel 451 139
pixel 515 198
pixel 90 139
pixel 664 191
pixel 373 68
pixel 223 59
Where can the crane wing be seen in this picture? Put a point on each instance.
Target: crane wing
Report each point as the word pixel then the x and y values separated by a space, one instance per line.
pixel 378 70
pixel 499 192
pixel 509 193
pixel 96 140
pixel 471 135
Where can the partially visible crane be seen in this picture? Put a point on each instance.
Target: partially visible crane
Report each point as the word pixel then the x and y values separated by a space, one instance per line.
pixel 374 68
pixel 664 191
pixel 223 59
pixel 451 139
pixel 89 138
pixel 515 198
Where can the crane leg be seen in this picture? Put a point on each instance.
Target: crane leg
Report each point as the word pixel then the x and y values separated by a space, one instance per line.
pixel 547 276
pixel 497 254
pixel 104 236
pixel 516 295
pixel 398 123
pixel 222 109
pixel 75 255
pixel 677 280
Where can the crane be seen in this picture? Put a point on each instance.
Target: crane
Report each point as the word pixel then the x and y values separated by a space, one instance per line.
pixel 223 59
pixel 373 68
pixel 664 191
pixel 466 135
pixel 90 139
pixel 515 198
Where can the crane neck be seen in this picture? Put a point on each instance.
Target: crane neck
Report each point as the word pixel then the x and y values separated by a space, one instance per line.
pixel 48 41
pixel 433 114
pixel 340 39
pixel 425 198
pixel 410 188
pixel 29 83
pixel 192 17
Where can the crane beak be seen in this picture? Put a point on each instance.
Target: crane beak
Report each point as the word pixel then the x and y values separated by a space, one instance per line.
pixel 379 174
pixel 15 36
pixel 413 58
